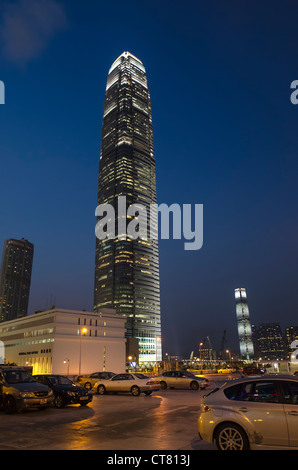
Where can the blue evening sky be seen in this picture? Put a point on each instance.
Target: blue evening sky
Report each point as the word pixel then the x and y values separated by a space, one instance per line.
pixel 225 135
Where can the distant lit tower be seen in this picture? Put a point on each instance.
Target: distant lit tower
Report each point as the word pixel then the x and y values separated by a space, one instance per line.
pixel 15 278
pixel 244 326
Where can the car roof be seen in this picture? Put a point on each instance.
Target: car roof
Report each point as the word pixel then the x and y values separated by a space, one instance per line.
pixel 252 378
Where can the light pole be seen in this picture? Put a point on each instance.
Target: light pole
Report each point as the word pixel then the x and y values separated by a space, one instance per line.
pixel 66 361
pixel 84 331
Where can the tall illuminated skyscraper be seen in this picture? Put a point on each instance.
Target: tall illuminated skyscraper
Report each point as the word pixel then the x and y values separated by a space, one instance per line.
pixel 15 279
pixel 244 326
pixel 127 270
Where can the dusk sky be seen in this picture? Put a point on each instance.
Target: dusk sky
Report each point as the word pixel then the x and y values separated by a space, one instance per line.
pixel 225 136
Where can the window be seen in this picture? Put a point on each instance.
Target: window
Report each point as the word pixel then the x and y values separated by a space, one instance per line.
pixel 233 393
pixel 261 392
pixel 290 392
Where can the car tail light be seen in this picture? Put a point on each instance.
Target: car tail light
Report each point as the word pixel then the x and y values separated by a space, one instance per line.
pixel 206 408
pixel 151 382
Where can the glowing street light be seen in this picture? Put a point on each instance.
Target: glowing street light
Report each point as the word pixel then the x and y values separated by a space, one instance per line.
pixel 82 331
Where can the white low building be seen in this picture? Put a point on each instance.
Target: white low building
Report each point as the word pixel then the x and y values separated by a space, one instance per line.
pixel 67 342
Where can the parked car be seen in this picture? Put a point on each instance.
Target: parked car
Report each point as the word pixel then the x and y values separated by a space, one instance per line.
pixel 88 381
pixel 227 370
pixel 65 391
pixel 252 413
pixel 251 370
pixel 181 379
pixel 132 383
pixel 19 390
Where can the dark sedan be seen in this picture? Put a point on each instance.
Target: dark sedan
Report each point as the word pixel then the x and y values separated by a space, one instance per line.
pixel 65 391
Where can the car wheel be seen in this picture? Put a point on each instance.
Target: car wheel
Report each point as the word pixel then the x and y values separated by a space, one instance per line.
pixel 9 405
pixel 230 436
pixel 194 385
pixel 148 392
pixel 163 385
pixel 101 389
pixel 135 391
pixel 88 385
pixel 59 401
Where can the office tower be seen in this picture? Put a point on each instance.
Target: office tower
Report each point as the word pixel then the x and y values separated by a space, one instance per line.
pixel 15 278
pixel 244 326
pixel 126 269
pixel 269 342
pixel 291 334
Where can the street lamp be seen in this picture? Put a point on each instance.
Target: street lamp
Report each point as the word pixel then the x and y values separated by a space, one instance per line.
pixel 66 361
pixel 83 331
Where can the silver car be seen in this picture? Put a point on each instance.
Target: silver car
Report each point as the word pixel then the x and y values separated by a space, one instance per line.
pixel 133 383
pixel 252 413
pixel 182 379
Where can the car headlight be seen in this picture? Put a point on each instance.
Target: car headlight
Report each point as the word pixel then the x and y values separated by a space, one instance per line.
pixel 27 395
pixel 50 394
pixel 72 394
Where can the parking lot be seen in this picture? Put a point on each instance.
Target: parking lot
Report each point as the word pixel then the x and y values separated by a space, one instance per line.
pixel 166 420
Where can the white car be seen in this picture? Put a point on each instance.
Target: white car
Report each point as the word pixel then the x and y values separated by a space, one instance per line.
pixel 252 413
pixel 134 383
pixel 182 379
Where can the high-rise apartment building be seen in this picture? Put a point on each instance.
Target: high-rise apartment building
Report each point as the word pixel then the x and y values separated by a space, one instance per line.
pixel 269 342
pixel 126 269
pixel 243 324
pixel 15 279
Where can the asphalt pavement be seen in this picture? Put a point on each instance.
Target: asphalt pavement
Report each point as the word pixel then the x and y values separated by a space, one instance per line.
pixel 166 420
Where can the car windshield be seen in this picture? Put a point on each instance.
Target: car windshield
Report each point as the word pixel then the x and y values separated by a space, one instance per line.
pixel 59 380
pixel 107 375
pixel 18 376
pixel 188 374
pixel 141 376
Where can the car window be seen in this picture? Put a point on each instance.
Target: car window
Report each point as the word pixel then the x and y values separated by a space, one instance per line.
pixel 41 379
pixel 141 376
pixel 290 391
pixel 233 393
pixel 261 392
pixel 118 377
pixel 106 375
pixel 96 375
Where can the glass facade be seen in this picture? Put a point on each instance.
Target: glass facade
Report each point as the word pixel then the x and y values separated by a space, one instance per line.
pixel 244 326
pixel 15 279
pixel 269 342
pixel 126 269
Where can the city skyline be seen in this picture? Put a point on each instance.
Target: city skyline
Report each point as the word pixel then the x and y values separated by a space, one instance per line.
pixel 225 136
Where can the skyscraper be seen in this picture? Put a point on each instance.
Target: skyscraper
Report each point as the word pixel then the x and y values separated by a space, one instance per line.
pixel 15 278
pixel 244 326
pixel 269 343
pixel 126 269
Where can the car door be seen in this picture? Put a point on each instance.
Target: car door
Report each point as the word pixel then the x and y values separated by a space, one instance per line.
pixel 167 377
pixel 172 379
pixel 260 403
pixel 95 377
pixel 115 383
pixel 290 399
pixel 182 380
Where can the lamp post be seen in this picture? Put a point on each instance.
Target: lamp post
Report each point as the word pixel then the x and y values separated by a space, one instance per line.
pixel 66 361
pixel 84 331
